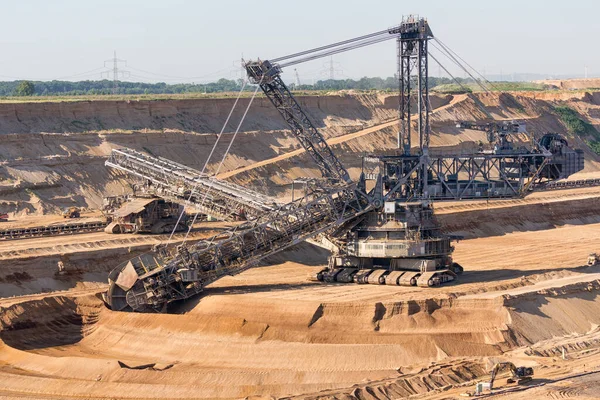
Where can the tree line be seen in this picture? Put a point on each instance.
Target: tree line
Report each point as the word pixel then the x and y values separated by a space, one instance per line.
pixel 106 87
pixel 366 83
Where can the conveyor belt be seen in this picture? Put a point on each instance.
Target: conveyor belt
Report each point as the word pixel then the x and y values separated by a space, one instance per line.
pixel 211 196
pixel 559 185
pixel 71 228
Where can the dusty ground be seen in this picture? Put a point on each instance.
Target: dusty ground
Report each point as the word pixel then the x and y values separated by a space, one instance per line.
pixel 30 265
pixel 50 219
pixel 269 332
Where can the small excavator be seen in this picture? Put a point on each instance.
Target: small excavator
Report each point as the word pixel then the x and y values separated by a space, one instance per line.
pixel 519 375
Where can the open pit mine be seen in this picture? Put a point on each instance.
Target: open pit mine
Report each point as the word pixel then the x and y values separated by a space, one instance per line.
pixel 348 245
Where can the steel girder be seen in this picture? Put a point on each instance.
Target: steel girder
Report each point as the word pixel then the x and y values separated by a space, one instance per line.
pixel 267 76
pixel 455 177
pixel 211 196
pixel 244 246
pixel 413 56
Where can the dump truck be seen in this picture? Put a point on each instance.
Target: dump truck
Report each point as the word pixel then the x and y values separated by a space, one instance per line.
pixel 71 212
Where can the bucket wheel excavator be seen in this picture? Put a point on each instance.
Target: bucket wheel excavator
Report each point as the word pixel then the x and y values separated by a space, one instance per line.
pixel 381 228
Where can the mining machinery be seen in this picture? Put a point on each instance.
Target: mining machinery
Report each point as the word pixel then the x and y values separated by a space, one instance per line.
pixel 381 228
pixel 563 162
pixel 171 180
pixel 71 212
pixel 519 375
pixel 147 214
pixel 498 132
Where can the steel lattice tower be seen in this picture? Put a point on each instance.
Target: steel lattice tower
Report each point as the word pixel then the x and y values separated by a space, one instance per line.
pixel 413 81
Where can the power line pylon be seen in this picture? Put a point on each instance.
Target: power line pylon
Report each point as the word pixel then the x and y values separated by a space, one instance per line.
pixel 331 68
pixel 116 71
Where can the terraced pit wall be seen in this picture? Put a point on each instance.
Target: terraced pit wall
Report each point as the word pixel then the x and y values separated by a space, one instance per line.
pixel 52 154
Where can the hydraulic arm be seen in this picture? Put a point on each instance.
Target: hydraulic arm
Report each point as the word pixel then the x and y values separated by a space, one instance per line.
pixel 518 374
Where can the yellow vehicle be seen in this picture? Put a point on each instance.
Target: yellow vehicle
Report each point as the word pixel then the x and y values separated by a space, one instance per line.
pixel 71 212
pixel 519 375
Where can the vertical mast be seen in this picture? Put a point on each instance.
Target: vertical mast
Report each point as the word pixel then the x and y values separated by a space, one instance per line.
pixel 413 34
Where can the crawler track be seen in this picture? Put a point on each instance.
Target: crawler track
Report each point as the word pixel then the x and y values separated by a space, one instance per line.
pixel 52 230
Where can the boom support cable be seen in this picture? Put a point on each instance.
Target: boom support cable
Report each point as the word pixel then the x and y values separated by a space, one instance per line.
pixel 223 159
pixel 451 53
pixel 329 46
pixel 446 53
pixel 469 65
pixel 192 192
pixel 448 72
pixel 322 51
pixel 351 46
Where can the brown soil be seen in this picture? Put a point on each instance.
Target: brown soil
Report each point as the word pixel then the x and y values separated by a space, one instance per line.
pixel 29 266
pixel 53 153
pixel 269 332
pixel 572 84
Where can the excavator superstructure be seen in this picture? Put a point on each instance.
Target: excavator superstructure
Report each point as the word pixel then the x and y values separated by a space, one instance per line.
pixel 381 228
pixel 497 132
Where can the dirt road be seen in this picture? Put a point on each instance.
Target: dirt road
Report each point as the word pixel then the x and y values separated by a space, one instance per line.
pixel 97 240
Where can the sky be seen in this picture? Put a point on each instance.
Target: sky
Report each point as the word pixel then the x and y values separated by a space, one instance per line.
pixel 200 41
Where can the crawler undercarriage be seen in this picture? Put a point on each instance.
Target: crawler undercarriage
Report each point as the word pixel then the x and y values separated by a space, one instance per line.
pixel 399 245
pixel 387 277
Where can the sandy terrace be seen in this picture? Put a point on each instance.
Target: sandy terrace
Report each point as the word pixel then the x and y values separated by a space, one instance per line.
pixel 270 331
